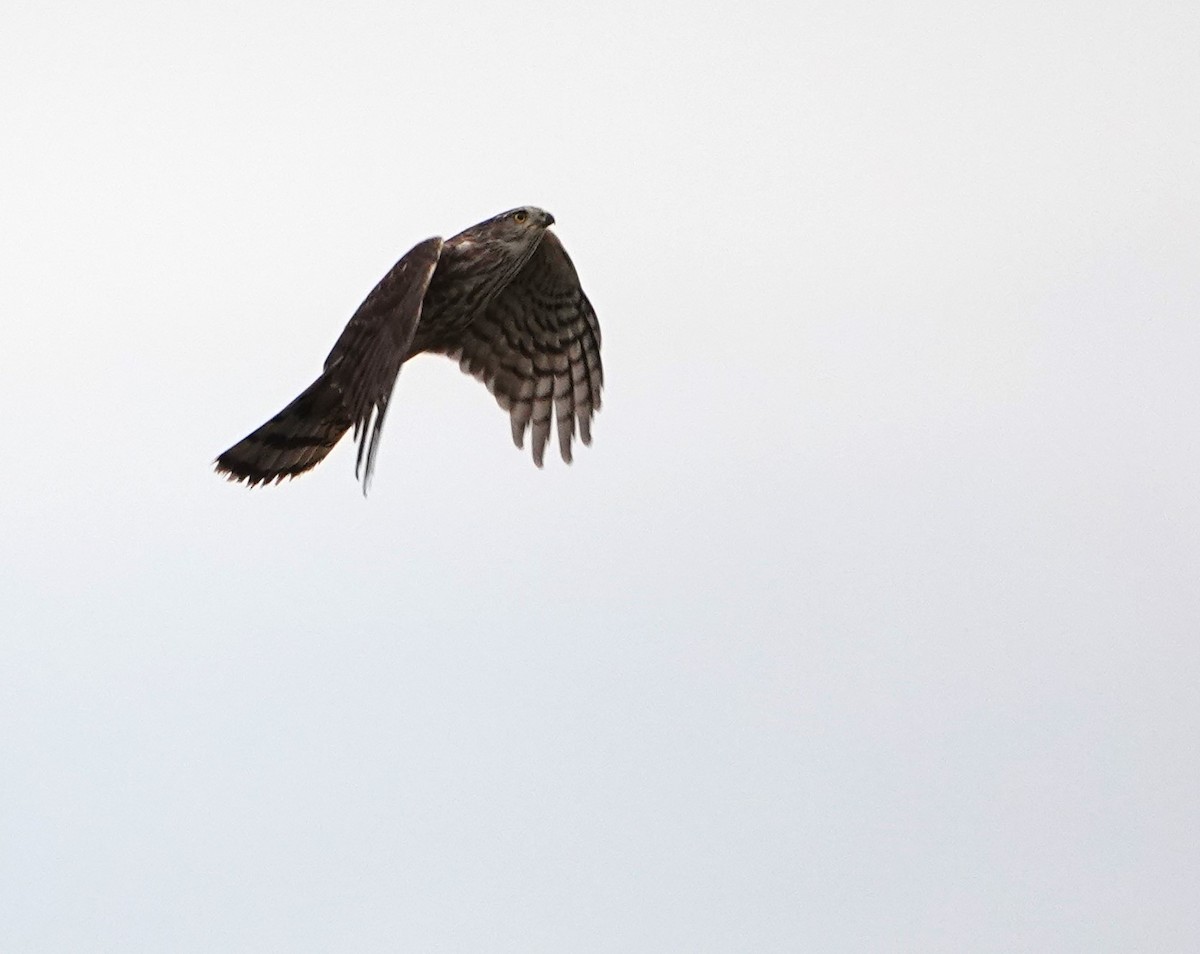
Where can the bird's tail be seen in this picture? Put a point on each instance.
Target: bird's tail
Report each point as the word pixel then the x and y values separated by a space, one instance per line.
pixel 295 440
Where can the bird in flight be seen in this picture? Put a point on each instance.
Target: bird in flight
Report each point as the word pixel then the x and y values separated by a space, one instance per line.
pixel 501 298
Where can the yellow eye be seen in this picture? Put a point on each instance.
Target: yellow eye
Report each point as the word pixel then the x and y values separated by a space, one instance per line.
pixel 520 216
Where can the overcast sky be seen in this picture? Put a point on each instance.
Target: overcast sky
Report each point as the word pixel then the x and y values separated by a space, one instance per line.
pixel 870 620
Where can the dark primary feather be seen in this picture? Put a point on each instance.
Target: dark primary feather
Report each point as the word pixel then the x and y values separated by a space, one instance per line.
pixel 501 297
pixel 366 359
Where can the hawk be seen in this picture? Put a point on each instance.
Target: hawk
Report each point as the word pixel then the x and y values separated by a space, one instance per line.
pixel 501 298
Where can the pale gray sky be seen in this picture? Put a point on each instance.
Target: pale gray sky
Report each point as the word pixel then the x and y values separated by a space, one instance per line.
pixel 870 620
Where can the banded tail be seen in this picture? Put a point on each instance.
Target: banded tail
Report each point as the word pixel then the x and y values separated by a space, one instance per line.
pixel 295 440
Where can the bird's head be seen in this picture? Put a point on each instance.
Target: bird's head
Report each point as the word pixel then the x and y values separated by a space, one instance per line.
pixel 518 230
pixel 500 245
pixel 526 217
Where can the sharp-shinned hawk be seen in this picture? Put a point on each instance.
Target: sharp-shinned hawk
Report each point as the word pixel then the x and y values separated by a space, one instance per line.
pixel 502 298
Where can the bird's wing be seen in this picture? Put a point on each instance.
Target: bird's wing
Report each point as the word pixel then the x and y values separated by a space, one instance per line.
pixel 537 348
pixel 366 359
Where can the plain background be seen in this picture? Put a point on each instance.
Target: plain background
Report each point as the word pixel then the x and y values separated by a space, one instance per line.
pixel 868 623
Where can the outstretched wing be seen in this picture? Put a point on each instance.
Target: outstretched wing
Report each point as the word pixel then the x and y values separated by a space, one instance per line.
pixel 366 359
pixel 537 348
